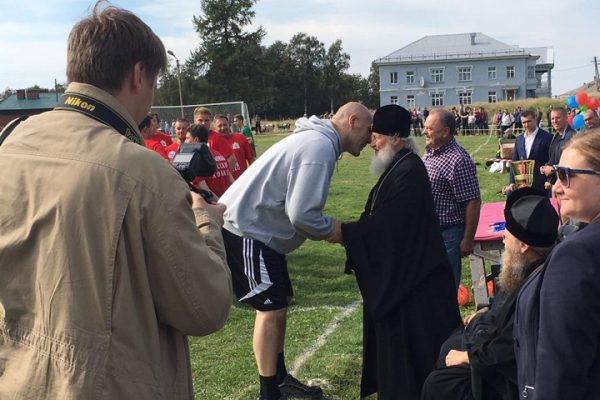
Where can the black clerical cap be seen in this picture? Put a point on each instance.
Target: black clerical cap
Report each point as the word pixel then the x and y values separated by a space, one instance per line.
pixel 392 120
pixel 531 218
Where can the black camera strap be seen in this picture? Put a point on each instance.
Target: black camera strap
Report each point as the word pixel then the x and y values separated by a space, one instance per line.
pixel 11 127
pixel 99 111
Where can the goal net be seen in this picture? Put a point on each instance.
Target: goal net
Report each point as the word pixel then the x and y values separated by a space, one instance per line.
pixel 168 114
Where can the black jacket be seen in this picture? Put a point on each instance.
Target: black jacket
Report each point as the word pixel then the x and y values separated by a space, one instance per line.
pixel 557 323
pixel 557 144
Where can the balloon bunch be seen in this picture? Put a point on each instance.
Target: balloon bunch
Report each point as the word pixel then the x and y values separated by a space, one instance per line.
pixel 581 102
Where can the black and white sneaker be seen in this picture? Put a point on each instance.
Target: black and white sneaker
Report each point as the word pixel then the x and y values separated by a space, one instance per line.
pixel 293 388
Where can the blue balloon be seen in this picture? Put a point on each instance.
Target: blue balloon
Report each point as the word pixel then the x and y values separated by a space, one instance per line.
pixel 571 102
pixel 578 121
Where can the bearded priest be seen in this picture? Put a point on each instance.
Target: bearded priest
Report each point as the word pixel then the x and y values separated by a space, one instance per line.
pixel 398 256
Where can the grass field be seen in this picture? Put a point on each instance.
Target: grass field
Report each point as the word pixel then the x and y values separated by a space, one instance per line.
pixel 323 341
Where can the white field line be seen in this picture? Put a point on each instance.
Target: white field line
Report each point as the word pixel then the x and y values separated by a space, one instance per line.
pixel 293 309
pixel 310 351
pixel 480 146
pixel 321 340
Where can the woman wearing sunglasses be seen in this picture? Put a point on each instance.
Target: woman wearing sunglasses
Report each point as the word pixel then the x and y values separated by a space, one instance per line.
pixel 557 323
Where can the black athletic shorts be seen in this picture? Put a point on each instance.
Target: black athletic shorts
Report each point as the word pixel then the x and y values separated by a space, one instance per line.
pixel 259 274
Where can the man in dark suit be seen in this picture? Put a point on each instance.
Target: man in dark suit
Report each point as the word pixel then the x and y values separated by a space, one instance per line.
pixel 563 132
pixel 533 144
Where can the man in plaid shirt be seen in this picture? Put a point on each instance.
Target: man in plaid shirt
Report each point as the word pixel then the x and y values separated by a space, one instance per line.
pixel 454 186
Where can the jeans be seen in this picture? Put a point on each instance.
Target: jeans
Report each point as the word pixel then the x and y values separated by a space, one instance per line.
pixel 452 236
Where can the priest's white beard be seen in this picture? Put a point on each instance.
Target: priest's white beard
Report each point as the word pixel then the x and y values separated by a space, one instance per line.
pixel 381 160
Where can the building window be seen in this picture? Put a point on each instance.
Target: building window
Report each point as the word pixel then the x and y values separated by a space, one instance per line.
pixel 410 101
pixel 531 72
pixel 510 72
pixel 465 98
pixel 492 98
pixel 393 77
pixel 491 72
pixel 464 74
pixel 437 99
pixel 393 99
pixel 437 74
pixel 410 77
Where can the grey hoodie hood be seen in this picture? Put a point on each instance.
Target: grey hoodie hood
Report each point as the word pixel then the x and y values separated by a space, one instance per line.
pixel 323 126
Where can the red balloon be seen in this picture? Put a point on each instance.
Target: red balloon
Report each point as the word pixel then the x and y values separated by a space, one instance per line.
pixel 593 103
pixel 582 98
pixel 570 119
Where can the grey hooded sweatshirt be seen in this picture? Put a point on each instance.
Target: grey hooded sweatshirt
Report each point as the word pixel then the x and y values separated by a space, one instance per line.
pixel 279 200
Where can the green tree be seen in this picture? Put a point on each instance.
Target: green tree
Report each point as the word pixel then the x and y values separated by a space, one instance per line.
pixel 228 55
pixel 281 97
pixel 308 56
pixel 167 92
pixel 231 64
pixel 336 63
pixel 370 92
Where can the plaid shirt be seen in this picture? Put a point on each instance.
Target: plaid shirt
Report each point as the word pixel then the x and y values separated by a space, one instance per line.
pixel 453 181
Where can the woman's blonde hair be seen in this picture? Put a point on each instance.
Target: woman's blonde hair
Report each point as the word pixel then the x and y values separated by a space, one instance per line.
pixel 588 145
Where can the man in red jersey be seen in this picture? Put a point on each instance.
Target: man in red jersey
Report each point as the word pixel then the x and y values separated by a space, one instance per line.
pixel 146 129
pixel 203 115
pixel 180 128
pixel 239 144
pixel 157 135
pixel 222 179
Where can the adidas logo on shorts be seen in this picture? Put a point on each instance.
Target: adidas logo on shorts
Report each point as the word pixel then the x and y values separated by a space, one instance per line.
pixel 268 301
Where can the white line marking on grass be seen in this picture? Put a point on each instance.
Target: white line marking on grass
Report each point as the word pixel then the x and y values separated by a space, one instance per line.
pixel 293 309
pixel 480 146
pixel 319 308
pixel 311 350
pixel 321 340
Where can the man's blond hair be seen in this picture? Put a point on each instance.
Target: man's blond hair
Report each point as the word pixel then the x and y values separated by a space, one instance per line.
pixel 202 110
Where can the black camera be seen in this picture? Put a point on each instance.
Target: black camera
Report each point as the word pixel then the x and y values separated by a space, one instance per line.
pixel 192 161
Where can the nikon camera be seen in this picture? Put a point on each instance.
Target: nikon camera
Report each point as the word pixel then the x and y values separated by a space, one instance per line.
pixel 192 161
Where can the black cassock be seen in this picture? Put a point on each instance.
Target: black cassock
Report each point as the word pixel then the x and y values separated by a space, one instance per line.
pixel 398 256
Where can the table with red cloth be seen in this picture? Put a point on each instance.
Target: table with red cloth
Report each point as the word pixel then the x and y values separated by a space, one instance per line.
pixel 488 246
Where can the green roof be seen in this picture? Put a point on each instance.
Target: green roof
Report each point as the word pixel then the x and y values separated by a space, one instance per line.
pixel 45 102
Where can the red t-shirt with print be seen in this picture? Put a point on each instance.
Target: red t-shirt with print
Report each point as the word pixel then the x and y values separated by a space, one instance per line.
pixel 242 151
pixel 219 182
pixel 161 138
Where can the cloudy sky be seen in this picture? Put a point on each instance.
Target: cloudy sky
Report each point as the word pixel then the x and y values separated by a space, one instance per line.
pixel 33 34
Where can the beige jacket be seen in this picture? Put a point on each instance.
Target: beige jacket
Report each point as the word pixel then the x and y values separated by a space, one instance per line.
pixel 103 272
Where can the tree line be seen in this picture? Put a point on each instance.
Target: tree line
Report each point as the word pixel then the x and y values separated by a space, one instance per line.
pixel 282 80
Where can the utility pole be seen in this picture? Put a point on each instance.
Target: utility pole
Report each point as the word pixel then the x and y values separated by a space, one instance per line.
pixel 178 81
pixel 596 74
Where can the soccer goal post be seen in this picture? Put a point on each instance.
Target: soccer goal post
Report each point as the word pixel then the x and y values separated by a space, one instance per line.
pixel 169 114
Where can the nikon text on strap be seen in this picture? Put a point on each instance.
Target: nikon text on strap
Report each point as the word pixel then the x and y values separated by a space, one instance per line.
pixel 99 111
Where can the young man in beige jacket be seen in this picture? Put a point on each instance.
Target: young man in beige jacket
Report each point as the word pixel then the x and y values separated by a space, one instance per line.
pixel 107 260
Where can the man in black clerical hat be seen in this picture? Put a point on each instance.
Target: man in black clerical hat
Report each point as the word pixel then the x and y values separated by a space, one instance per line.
pixel 398 256
pixel 485 345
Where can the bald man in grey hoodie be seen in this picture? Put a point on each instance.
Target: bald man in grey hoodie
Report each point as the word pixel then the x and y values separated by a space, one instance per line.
pixel 271 210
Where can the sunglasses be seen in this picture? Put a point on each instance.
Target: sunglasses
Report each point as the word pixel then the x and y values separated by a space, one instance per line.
pixel 564 174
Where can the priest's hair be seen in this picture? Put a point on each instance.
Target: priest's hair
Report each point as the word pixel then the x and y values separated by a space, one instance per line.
pixel 410 143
